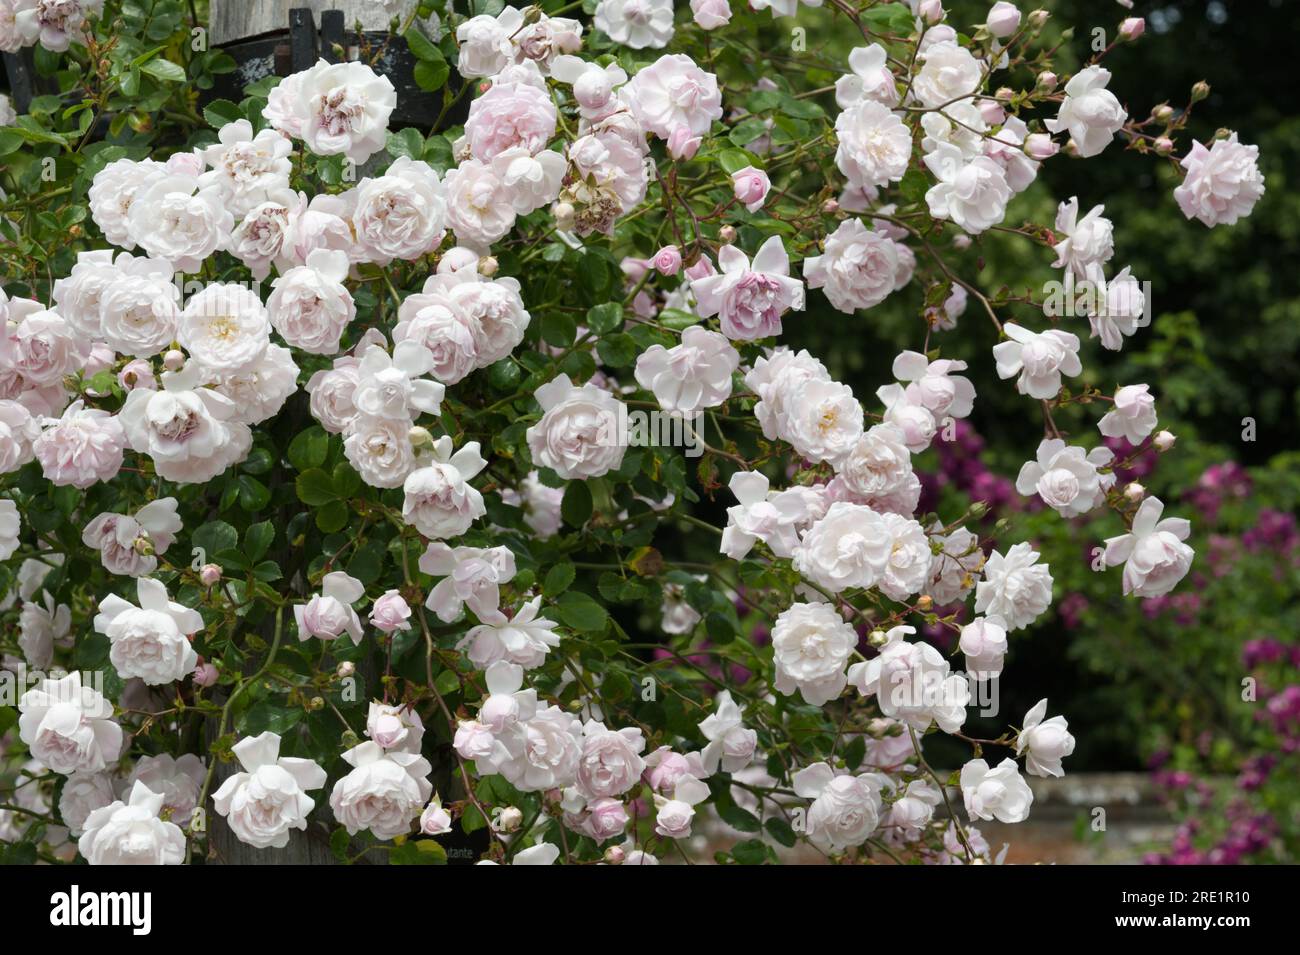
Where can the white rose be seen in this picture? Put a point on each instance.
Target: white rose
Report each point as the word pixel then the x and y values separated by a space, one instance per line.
pixel 380 449
pixel 1087 241
pixel 69 727
pixel 174 218
pixel 1062 476
pixel 984 642
pixel 259 391
pixel 473 577
pixel 1000 793
pixel 636 23
pixel 140 312
pixel 579 434
pixel 691 376
pixel 823 421
pixel 480 206
pixel 186 430
pixel 131 833
pixel 523 640
pixel 384 792
pixel 908 565
pixel 954 569
pixel 336 108
pixel 874 145
pixel 1044 743
pixel 1223 183
pixel 948 72
pixel 439 500
pixel 972 193
pixel 331 393
pixel 485 43
pixel 611 762
pixel 847 548
pixel 912 682
pixel 1016 587
pixel 309 305
pixel 1090 112
pixel 845 809
pixel 402 214
pixel 150 641
pixel 812 644
pixel 1154 555
pixel 113 191
pixel 446 330
pixel 40 626
pixel 857 269
pixel 1133 416
pixel 1040 359
pixel 246 168
pixel 77 297
pixel 178 781
pixel 268 798
pixel 542 752
pixel 225 327
pixel 82 794
pixel 731 744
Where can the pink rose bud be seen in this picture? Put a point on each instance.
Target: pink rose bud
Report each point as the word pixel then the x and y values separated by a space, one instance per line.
pixel 682 143
pixel 711 14
pixel 668 260
pixel 1046 80
pixel 1163 113
pixel 564 215
pixel 488 266
pixel 137 374
pixel 1038 19
pixel 390 612
pixel 702 267
pixel 961 242
pixel 931 11
pixel 1005 94
pixel 1135 492
pixel 1164 145
pixel 615 855
pixel 1003 20
pixel 1164 440
pixel 831 206
pixel 346 669
pixel 1040 146
pixel 455 259
pixel 992 112
pixel 727 234
pixel 174 360
pixel 511 818
pixel 751 187
pixel 210 575
pixel 205 674
pixel 1132 28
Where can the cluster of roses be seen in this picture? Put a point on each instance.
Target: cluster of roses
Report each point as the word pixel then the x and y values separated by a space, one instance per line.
pixel 54 24
pixel 849 529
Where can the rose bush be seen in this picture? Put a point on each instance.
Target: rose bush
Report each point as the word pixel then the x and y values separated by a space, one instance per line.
pixel 639 208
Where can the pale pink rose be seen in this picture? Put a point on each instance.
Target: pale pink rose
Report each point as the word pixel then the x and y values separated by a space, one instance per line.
pixel 674 92
pixel 682 143
pixel 332 391
pixel 605 819
pixel 668 260
pixel 750 299
pixel 205 674
pixel 711 14
pixel 43 348
pixel 507 115
pixel 137 374
pixel 82 447
pixel 701 268
pixel 751 187
pixel 390 613
pixel 329 614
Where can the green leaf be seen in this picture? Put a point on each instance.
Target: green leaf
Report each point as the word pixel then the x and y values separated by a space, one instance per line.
pixel 741 819
pixel 580 612
pixel 618 350
pixel 558 579
pixel 332 517
pixel 257 539
pixel 406 142
pixel 309 448
pixel 734 160
pixel 576 505
pixel 780 830
pixel 418 852
pixel 315 487
pixel 346 480
pixel 339 845
pixel 422 47
pixel 889 18
pixel 165 70
pixel 746 131
pixel 750 852
pixel 431 76
pixel 214 537
pixel 253 494
pixel 605 318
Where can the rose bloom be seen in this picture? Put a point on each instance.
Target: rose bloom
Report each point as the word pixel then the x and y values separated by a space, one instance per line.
pixel 636 23
pixel 139 313
pixel 485 42
pixel 332 391
pixel 948 72
pixel 121 539
pixel 1154 553
pixel 400 215
pixel 395 727
pixel 874 145
pixel 150 641
pixel 524 640
pixel 309 305
pixel 449 334
pixel 77 297
pixel 260 238
pixel 1133 416
pixel 1044 742
pixel 604 819
pixel 750 300
pixel 691 376
pixel 246 168
pixel 40 627
pixel 857 269
pixel 177 780
pixel 473 576
pixel 390 613
pixel 541 504
pixel 480 207
pixel 1062 476
pixel 1084 241
pixel 434 820
pixel 972 193
pixel 329 614
pixel 578 435
pixel 114 190
pixel 1039 358
pixel 711 14
pixel 493 309
pixel 82 794
pixel 870 79
pixel 42 347
pixel 131 833
pixel 674 93
pixel 268 798
pixel 812 644
pixel 82 447
pixel 69 727
pixel 777 379
pixel 548 38
pixel 1016 587
pixel 847 548
pixel 335 108
pixel 187 431
pixel 225 328
pixel 1222 184
pixel 984 642
pixel 439 500
pixel 823 422
pixel 611 763
pixel 380 449
pixel 543 751
pixel 383 793
pixel 10 525
pixel 1000 793
pixel 1090 112
pixel 845 809
pixel 174 218
pixel 508 115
